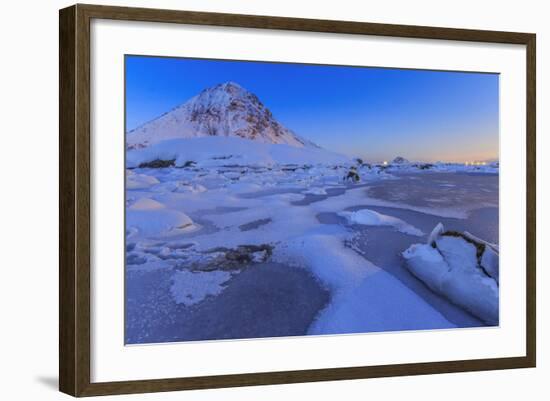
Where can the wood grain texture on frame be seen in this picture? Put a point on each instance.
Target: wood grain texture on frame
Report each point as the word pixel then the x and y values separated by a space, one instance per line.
pixel 74 199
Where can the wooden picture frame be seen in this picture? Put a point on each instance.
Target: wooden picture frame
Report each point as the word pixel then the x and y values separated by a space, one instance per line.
pixel 74 199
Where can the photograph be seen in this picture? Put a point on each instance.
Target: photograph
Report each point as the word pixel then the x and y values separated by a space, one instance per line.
pixel 276 199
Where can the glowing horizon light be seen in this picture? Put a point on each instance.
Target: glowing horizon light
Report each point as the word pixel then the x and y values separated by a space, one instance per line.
pixel 385 163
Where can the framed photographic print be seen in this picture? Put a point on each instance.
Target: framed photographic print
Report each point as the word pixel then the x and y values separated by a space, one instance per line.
pixel 251 200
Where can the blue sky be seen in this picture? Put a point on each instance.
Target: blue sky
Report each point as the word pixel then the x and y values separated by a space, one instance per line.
pixel 374 113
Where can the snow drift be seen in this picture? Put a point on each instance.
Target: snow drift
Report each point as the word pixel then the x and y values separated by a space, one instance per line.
pixel 148 217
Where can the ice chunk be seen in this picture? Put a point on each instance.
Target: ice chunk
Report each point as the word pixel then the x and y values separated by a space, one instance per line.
pixel 426 263
pixel 436 233
pixel 481 241
pixel 450 267
pixel 489 262
pixel 371 218
pixel 475 292
pixel 457 252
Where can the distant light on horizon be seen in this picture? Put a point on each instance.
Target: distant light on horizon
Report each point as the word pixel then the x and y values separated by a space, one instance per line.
pixel 477 163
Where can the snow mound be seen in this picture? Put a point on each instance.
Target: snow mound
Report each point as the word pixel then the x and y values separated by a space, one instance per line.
pixel 148 217
pixel 146 204
pixel 371 218
pixel 453 266
pixel 223 151
pixel 189 288
pixel 139 181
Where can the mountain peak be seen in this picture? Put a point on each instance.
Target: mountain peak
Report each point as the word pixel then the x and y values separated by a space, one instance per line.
pixel 221 95
pixel 229 87
pixel 226 109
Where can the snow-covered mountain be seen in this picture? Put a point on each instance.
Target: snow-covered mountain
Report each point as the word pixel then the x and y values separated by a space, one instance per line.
pixel 224 110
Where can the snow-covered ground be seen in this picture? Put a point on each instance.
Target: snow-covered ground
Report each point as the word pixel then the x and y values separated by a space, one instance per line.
pixel 229 223
pixel 231 151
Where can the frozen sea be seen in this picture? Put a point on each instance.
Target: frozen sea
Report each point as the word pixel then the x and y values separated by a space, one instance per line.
pixel 276 252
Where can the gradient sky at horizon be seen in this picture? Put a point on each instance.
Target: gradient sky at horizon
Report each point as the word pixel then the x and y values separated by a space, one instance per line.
pixel 373 113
